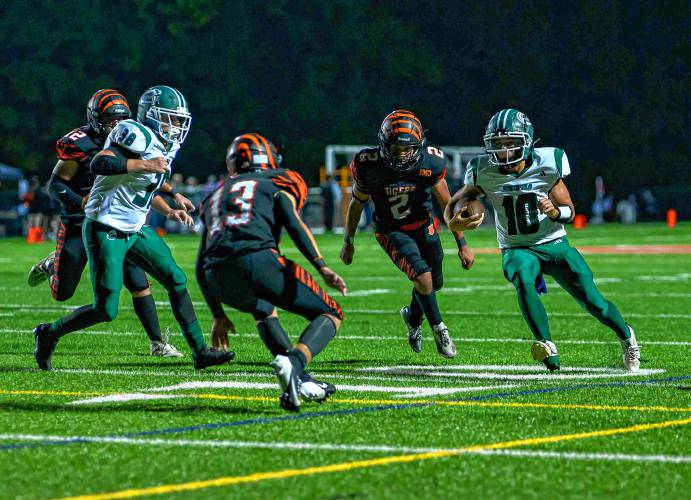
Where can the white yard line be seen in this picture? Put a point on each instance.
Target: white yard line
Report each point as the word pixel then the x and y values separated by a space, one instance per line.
pixel 400 338
pixel 403 392
pixel 224 443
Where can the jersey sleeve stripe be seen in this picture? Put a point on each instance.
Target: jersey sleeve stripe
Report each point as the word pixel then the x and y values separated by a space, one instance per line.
pixel 558 157
pixel 146 133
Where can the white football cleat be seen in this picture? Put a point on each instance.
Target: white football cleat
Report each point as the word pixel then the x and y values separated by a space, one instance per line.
pixel 414 334
pixel 632 353
pixel 164 350
pixel 445 345
pixel 41 271
pixel 288 380
pixel 546 352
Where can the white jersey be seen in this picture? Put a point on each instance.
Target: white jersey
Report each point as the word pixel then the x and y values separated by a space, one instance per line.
pixel 514 197
pixel 123 201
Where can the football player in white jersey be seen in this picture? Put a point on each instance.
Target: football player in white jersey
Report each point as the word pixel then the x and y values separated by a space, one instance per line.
pixel 132 167
pixel 526 188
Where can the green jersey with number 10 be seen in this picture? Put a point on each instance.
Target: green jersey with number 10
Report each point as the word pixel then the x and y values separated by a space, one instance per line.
pixel 123 201
pixel 515 197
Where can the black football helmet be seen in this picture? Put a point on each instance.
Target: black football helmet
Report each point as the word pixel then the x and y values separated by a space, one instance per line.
pixel 105 108
pixel 401 139
pixel 251 152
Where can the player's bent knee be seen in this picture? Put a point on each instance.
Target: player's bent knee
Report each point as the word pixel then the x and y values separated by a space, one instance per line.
pixel 423 283
pixel 141 293
pixel 335 320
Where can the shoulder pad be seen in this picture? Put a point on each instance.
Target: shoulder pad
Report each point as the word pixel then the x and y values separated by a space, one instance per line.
pixel 130 135
pixel 359 161
pixel 77 146
pixel 292 183
pixel 434 159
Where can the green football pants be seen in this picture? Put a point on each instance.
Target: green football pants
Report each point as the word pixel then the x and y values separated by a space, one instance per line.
pixel 565 264
pixel 106 248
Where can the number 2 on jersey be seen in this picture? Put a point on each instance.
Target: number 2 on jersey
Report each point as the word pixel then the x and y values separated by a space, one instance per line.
pixel 522 215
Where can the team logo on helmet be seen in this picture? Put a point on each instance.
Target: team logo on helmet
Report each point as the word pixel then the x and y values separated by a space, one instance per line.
pixel 105 108
pixel 251 152
pixel 401 138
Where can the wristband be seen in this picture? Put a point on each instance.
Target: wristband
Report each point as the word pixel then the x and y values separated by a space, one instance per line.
pixel 565 214
pixel 319 263
pixel 349 240
pixel 461 242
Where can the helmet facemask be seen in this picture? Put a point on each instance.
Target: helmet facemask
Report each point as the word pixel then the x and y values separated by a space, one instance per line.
pixel 172 125
pixel 507 148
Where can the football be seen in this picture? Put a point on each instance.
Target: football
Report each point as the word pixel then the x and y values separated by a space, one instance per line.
pixel 472 207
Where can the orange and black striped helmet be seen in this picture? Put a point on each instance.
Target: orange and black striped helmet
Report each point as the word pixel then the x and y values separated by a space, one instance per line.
pixel 104 107
pixel 401 138
pixel 250 152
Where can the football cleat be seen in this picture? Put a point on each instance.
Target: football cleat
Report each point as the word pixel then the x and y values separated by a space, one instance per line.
pixel 41 271
pixel 164 350
pixel 445 345
pixel 414 334
pixel 288 380
pixel 45 345
pixel 546 352
pixel 315 390
pixel 632 353
pixel 206 357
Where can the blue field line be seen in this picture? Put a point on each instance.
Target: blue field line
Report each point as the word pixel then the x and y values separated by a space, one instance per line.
pixel 298 416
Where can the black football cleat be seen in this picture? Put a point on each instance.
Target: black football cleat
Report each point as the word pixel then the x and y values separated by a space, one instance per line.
pixel 45 345
pixel 289 381
pixel 206 358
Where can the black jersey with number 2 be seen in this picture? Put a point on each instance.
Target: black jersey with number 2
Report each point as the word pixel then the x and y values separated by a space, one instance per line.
pixel 401 200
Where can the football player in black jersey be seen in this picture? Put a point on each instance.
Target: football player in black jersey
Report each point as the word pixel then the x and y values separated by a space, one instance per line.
pixel 70 184
pixel 239 264
pixel 400 176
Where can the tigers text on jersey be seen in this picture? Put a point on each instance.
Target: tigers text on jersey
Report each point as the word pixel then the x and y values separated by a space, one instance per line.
pixel 240 215
pixel 515 197
pixel 80 146
pixel 401 199
pixel 123 201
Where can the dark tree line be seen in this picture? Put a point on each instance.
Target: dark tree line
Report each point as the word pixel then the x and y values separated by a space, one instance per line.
pixel 607 81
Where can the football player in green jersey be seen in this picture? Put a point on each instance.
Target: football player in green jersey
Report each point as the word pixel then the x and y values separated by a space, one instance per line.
pixel 526 188
pixel 130 170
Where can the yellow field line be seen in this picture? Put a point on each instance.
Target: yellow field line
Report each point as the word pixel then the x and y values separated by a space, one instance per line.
pixel 486 404
pixel 378 462
pixel 50 393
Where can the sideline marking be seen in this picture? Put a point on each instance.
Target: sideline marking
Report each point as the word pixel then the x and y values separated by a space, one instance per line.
pixel 378 462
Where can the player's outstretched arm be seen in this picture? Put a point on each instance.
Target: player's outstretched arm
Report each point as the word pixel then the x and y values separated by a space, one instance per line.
pixel 112 162
pixel 221 324
pixel 355 207
pixel 443 197
pixel 180 216
pixel 558 205
pixel 181 200
pixel 58 188
pixel 303 239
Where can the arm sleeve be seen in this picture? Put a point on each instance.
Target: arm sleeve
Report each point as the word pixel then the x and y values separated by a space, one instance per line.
pixel 59 190
pixel 214 304
pixel 109 165
pixel 286 214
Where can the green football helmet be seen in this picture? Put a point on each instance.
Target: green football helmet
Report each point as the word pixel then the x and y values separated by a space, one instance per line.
pixel 508 138
pixel 164 110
